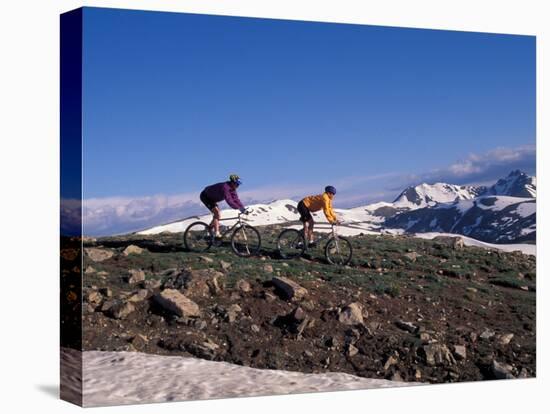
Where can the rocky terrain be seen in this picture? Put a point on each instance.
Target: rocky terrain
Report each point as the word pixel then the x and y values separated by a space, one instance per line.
pixel 406 309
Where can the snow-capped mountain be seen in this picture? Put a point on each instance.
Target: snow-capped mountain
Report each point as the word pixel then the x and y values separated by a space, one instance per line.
pixel 497 219
pixel 426 195
pixel 502 213
pixel 516 184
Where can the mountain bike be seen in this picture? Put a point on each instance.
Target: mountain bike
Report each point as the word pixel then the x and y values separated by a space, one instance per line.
pixel 245 240
pixel 291 243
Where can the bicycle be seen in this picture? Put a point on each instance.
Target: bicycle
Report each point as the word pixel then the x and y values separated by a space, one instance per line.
pixel 245 239
pixel 291 243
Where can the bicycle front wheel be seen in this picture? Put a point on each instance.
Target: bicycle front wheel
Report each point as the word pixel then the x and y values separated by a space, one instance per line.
pixel 290 243
pixel 246 241
pixel 338 251
pixel 198 237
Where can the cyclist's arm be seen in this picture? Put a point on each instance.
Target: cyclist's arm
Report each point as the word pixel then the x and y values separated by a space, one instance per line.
pixel 232 199
pixel 327 209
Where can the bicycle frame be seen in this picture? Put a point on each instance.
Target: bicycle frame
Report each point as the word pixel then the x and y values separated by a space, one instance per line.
pixel 236 225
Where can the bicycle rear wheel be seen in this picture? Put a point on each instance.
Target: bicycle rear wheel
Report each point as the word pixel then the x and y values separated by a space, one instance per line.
pixel 246 241
pixel 338 251
pixel 198 237
pixel 290 243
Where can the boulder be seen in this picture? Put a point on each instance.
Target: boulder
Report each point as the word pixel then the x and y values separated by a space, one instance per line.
pixel 175 302
pixel 203 282
pixel 132 249
pixel 97 254
pixel 288 289
pixel 352 314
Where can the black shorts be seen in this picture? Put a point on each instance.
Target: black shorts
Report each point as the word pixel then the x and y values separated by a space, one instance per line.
pixel 210 205
pixel 305 214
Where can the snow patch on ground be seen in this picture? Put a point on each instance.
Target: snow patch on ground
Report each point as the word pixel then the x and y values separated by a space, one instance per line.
pixel 468 241
pixel 113 378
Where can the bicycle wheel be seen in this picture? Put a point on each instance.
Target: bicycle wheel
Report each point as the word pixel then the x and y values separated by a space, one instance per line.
pixel 246 241
pixel 290 244
pixel 338 251
pixel 198 237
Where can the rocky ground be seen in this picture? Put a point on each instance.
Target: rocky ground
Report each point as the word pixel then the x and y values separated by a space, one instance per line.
pixel 406 309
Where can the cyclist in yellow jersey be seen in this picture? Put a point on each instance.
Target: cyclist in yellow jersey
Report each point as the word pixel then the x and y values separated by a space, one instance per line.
pixel 315 203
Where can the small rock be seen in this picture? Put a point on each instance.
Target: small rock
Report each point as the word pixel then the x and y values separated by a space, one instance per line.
pixel 107 292
pixel 270 297
pixel 98 255
pixel 392 360
pixel 135 276
pixel 139 296
pixel 206 259
pixel 412 256
pixel 255 328
pixel 139 342
pixel 352 350
pixel 505 339
pixel 243 285
pixel 107 305
pixel 93 297
pixel 352 314
pixel 406 326
pixel 285 264
pixel 502 370
pixel 232 313
pixel 177 303
pixel 487 334
pixel 268 268
pixel 89 270
pixel 120 310
pixel 459 351
pixel 102 274
pixel 437 354
pixel 225 265
pixel 471 289
pixel 132 249
pixel 289 289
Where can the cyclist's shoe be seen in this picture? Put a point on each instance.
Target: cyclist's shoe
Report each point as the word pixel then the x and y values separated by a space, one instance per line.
pixel 218 236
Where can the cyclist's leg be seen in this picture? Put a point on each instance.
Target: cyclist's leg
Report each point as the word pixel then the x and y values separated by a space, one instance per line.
pixel 310 224
pixel 215 224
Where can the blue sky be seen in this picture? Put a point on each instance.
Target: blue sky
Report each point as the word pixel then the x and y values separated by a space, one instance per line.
pixel 174 102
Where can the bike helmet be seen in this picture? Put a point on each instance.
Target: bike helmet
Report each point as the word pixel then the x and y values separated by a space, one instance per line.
pixel 234 178
pixel 330 189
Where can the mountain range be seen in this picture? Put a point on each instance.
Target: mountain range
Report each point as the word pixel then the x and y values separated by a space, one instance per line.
pixel 503 213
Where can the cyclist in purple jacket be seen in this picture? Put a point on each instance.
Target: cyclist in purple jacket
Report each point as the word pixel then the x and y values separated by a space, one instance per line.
pixel 215 193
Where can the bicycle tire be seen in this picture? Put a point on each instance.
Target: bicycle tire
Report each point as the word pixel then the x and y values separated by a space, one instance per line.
pixel 343 245
pixel 204 235
pixel 250 248
pixel 296 243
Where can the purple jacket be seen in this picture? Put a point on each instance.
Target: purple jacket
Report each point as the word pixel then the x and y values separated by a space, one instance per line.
pixel 223 191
